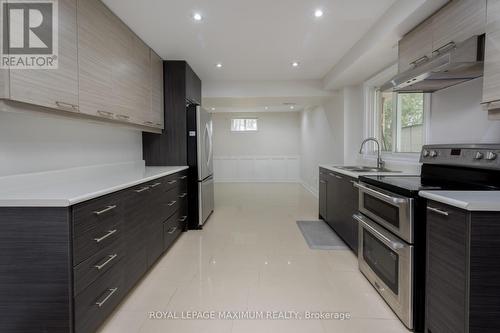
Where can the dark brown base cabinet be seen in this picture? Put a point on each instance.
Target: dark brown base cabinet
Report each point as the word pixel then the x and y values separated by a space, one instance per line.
pixel 463 270
pixel 338 202
pixel 66 269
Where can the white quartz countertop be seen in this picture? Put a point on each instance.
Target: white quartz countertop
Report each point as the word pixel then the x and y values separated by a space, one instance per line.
pixel 63 188
pixel 468 200
pixel 358 174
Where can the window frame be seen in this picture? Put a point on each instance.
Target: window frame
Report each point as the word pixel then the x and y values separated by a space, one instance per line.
pixel 371 126
pixel 246 130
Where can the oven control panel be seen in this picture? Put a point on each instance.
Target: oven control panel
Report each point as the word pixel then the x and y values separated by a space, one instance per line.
pixel 474 156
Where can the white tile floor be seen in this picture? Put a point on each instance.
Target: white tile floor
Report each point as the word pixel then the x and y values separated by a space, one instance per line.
pixel 251 256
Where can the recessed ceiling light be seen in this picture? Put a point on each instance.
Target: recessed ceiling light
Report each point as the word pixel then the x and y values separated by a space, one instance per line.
pixel 292 107
pixel 218 65
pixel 318 13
pixel 213 109
pixel 197 17
pixel 295 64
pixel 266 108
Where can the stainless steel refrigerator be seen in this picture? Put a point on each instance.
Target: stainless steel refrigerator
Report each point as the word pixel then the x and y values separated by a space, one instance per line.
pixel 200 159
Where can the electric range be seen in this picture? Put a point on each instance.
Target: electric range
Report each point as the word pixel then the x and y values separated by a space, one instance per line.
pixel 392 221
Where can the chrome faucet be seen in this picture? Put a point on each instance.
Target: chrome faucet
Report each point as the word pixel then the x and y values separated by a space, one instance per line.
pixel 380 162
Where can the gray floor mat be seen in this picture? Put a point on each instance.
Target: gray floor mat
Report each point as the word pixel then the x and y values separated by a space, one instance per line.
pixel 319 236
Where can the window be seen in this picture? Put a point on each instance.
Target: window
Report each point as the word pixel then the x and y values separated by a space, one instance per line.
pixel 244 125
pixel 400 121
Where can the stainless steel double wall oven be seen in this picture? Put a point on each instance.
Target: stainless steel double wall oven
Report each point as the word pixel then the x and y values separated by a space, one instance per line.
pixel 392 221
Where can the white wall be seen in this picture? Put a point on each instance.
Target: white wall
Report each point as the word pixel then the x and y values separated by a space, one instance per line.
pixel 457 116
pixel 353 123
pixel 270 154
pixel 322 137
pixel 32 143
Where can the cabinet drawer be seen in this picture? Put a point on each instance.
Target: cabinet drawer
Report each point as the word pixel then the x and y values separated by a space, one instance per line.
pixel 94 304
pixel 97 265
pixel 182 197
pixel 172 228
pixel 94 225
pixel 182 178
pixel 172 181
pixel 88 244
pixel 167 204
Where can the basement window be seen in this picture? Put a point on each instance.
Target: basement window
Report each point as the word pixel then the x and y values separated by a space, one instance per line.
pixel 244 125
pixel 400 121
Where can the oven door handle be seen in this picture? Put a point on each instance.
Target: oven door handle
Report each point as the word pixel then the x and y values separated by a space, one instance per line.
pixel 395 245
pixel 384 197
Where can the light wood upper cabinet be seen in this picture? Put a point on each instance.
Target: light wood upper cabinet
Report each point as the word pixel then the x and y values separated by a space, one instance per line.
pixel 157 113
pixel 458 21
pixel 95 53
pixel 415 46
pixel 53 88
pixel 105 70
pixel 141 81
pixel 454 23
pixel 491 81
pixel 120 61
pixel 123 73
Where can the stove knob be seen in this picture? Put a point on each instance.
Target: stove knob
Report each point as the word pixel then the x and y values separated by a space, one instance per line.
pixel 425 153
pixel 490 156
pixel 433 153
pixel 478 156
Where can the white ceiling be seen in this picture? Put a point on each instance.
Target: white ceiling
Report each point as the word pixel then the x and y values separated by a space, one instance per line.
pixel 253 39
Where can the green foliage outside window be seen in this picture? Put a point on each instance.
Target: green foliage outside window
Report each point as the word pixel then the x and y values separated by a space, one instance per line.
pixel 387 122
pixel 408 113
pixel 412 109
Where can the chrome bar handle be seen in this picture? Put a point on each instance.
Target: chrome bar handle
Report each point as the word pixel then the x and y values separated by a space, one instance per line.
pixel 172 230
pixel 106 114
pixel 380 195
pixel 183 177
pixel 123 117
pixel 104 264
pixel 396 246
pixel 172 182
pixel 108 296
pixel 142 189
pixel 445 47
pixel 182 219
pixel 64 105
pixel 171 203
pixel 322 181
pixel 183 195
pixel 419 60
pixel 155 185
pixel 438 211
pixel 100 239
pixel 105 210
pixel 492 105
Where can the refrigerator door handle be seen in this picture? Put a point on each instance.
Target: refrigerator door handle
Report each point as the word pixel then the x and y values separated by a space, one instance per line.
pixel 210 151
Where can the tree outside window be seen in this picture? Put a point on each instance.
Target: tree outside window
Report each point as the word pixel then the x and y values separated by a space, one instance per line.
pixel 400 121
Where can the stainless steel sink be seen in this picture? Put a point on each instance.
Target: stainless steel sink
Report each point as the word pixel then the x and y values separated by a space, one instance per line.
pixel 364 169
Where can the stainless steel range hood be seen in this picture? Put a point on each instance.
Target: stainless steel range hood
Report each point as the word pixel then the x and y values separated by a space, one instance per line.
pixel 449 66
